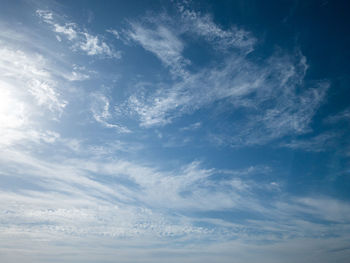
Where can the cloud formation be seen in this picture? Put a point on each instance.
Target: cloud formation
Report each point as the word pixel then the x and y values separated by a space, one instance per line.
pixel 265 93
pixel 110 158
pixel 81 40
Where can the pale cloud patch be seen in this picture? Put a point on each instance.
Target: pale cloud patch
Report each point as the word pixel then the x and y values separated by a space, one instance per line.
pixel 162 42
pixel 29 91
pixel 114 32
pixel 319 143
pixel 191 127
pixel 81 40
pixel 78 73
pixel 12 111
pixel 92 45
pixel 68 30
pixel 204 26
pixel 341 116
pixel 46 95
pixel 101 112
pixel 28 73
pixel 47 16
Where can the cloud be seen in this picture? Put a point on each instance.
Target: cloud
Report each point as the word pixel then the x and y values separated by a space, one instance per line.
pixel 29 91
pixel 101 113
pixel 94 46
pixel 87 197
pixel 12 111
pixel 163 43
pixel 47 16
pixel 36 87
pixel 341 116
pixel 204 26
pixel 46 95
pixel 319 143
pixel 29 70
pixel 270 95
pixel 191 127
pixel 81 40
pixel 114 32
pixel 67 30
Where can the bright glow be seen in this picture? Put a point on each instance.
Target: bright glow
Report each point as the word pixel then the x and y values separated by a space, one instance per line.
pixel 12 111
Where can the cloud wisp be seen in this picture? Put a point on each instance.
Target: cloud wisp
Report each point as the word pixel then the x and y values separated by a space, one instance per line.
pixel 266 94
pixel 81 39
pixel 101 111
pixel 95 198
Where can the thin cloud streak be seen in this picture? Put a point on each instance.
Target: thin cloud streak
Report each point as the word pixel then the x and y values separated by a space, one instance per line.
pixel 81 40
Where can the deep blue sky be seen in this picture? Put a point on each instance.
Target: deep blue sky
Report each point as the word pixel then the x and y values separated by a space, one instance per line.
pixel 179 131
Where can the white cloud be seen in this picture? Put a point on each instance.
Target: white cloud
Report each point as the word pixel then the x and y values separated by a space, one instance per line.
pixel 203 25
pixel 163 43
pixel 27 72
pixel 116 198
pixel 114 33
pixel 101 112
pixel 191 127
pixel 47 16
pixel 319 143
pixel 248 86
pixel 46 95
pixel 28 90
pixel 67 29
pixel 341 116
pixel 81 40
pixel 12 111
pixel 266 92
pixel 34 89
pixel 92 45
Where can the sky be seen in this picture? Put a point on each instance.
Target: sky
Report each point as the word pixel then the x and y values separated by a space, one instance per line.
pixel 174 131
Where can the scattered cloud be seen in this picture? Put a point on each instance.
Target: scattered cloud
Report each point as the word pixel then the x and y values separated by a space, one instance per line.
pixel 116 198
pixel 45 95
pixel 101 113
pixel 29 90
pixel 319 143
pixel 94 46
pixel 204 26
pixel 191 127
pixel 67 30
pixel 81 40
pixel 341 116
pixel 163 43
pixel 114 32
pixel 265 93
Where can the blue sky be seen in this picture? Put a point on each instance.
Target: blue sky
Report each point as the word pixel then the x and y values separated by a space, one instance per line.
pixel 174 131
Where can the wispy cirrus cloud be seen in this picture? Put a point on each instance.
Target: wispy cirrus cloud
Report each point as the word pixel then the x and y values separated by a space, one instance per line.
pixel 28 89
pixel 101 111
pixel 318 143
pixel 163 43
pixel 90 197
pixel 81 40
pixel 341 116
pixel 36 86
pixel 223 40
pixel 266 93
